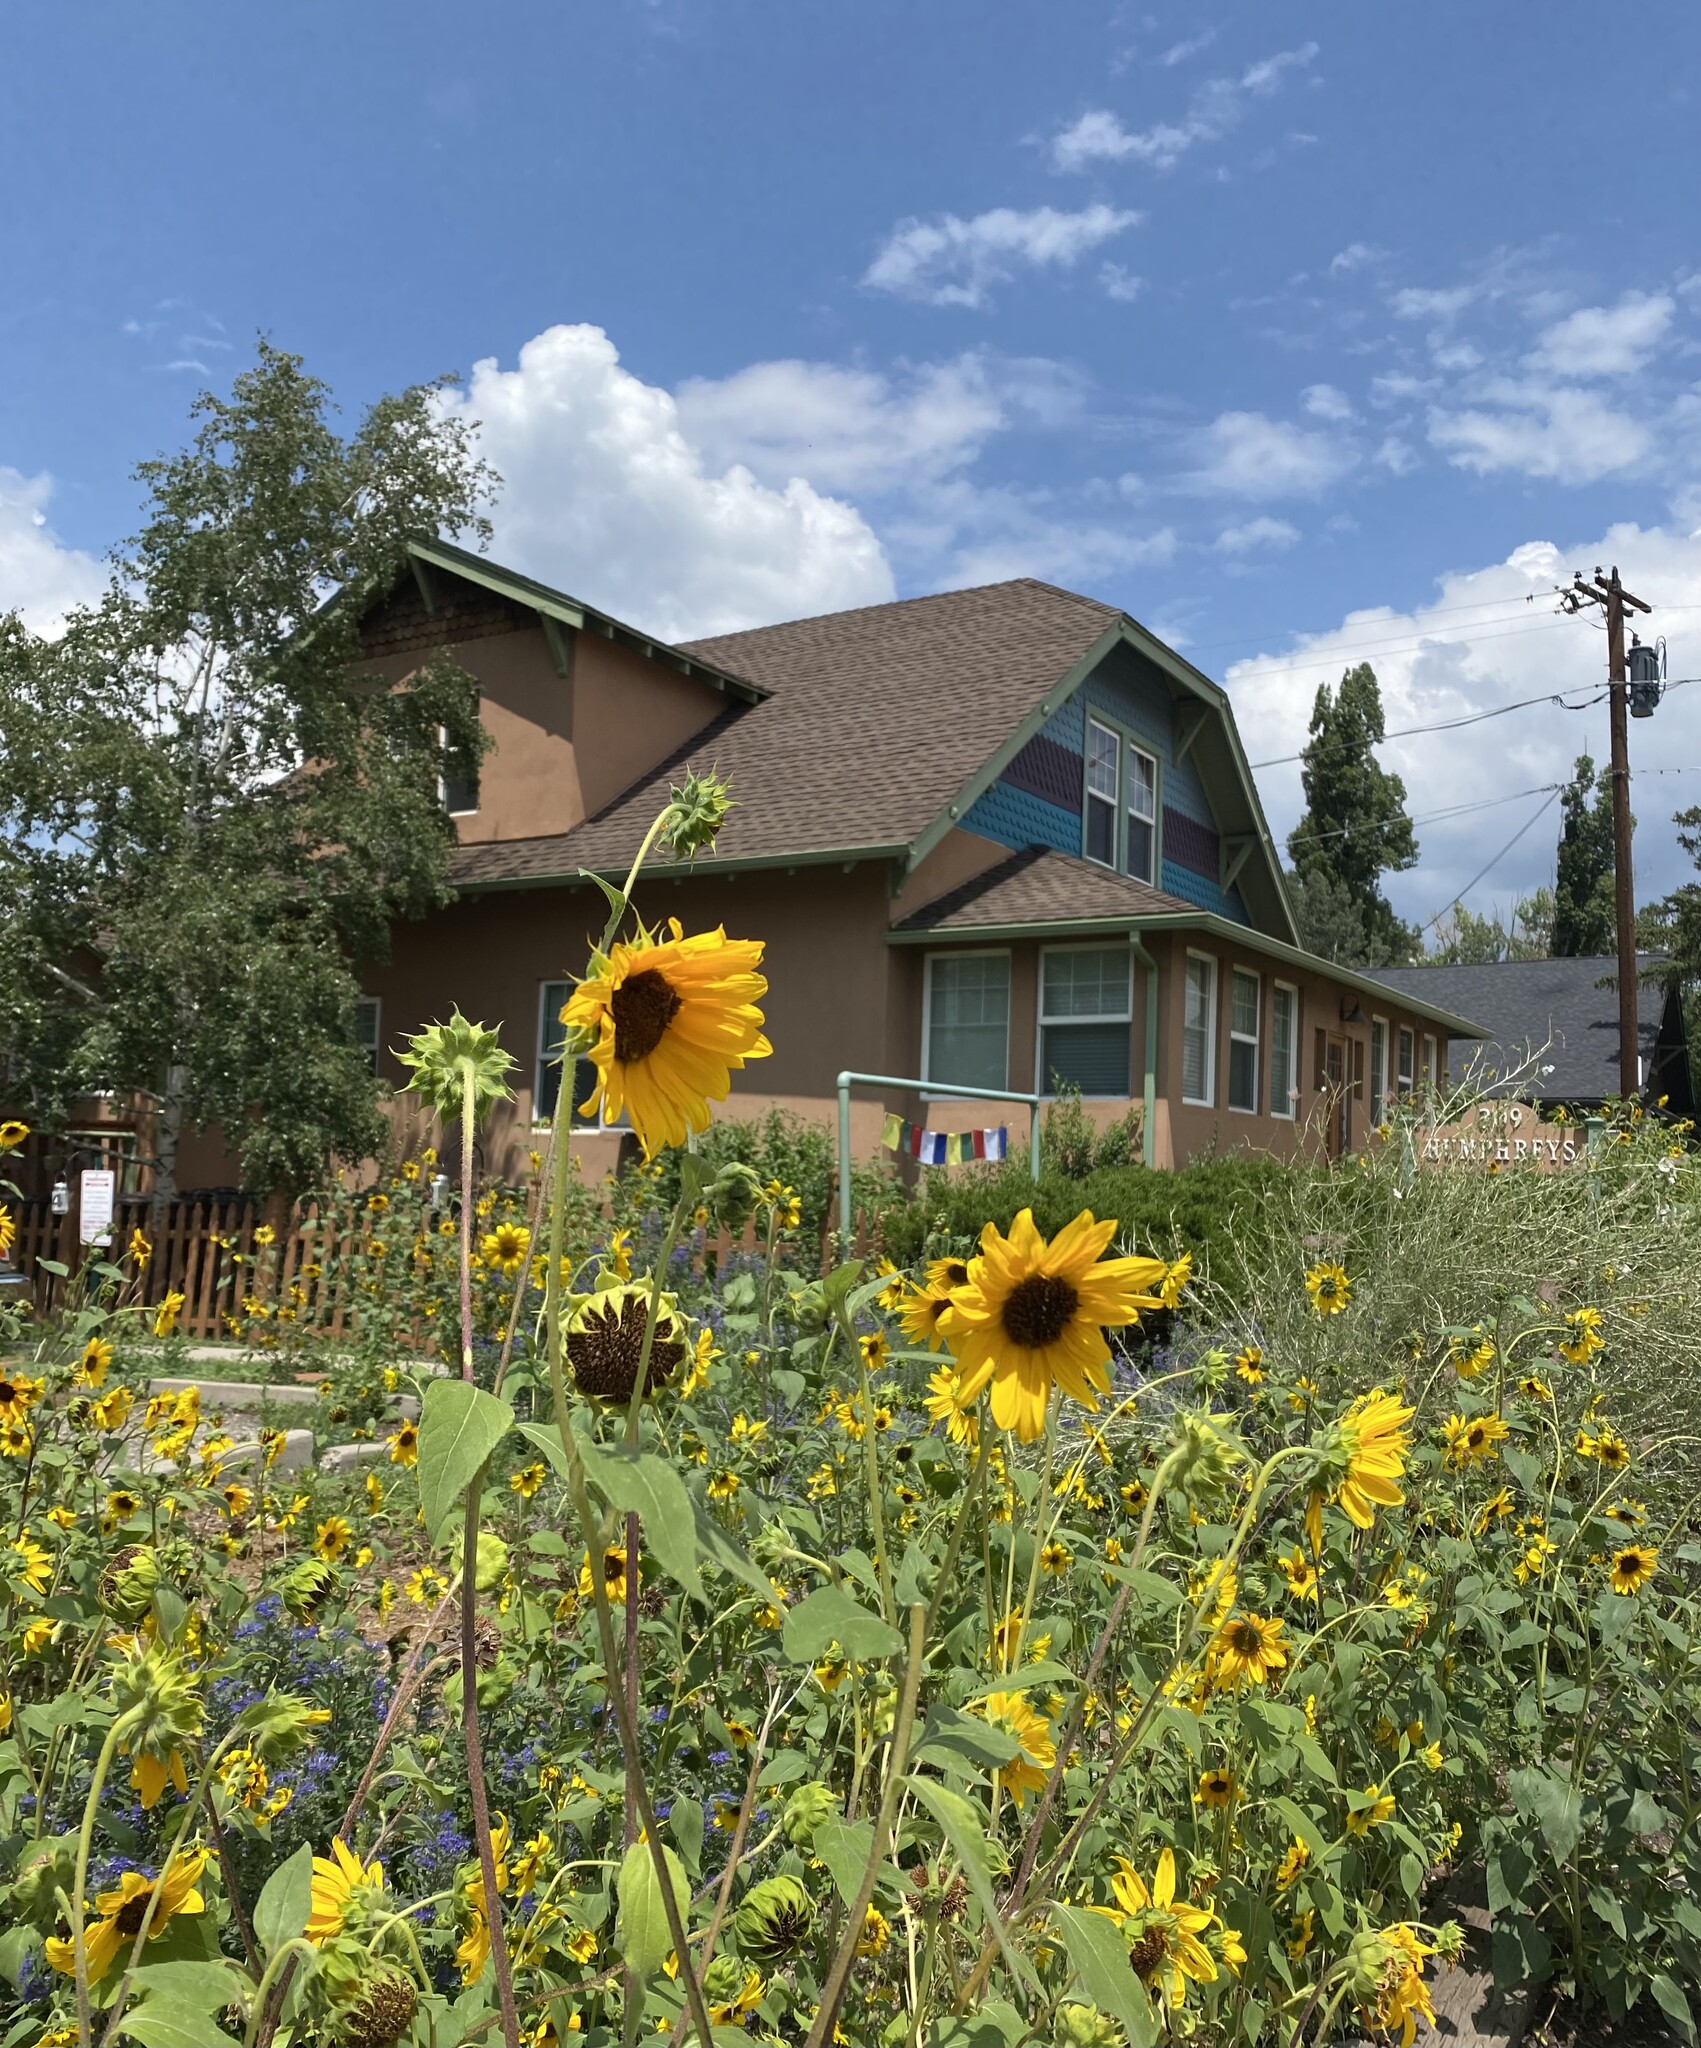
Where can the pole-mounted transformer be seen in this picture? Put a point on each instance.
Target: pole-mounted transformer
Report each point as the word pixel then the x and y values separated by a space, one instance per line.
pixel 1647 667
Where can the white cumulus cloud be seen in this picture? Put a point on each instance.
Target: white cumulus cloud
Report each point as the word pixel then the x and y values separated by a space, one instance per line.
pixel 606 495
pixel 1255 534
pixel 949 261
pixel 1570 436
pixel 1605 341
pixel 1248 455
pixel 39 575
pixel 1493 636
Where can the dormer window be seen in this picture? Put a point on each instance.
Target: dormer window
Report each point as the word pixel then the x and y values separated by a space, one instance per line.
pixel 1120 826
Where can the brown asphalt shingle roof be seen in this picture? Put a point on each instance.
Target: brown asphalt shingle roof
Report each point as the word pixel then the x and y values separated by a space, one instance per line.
pixel 1038 886
pixel 876 719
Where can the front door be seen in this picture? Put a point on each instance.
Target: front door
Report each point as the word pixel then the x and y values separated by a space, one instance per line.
pixel 1335 1078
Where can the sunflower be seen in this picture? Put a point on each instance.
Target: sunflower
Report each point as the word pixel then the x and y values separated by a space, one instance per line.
pixel 1248 1646
pixel 666 1024
pixel 1402 1997
pixel 165 1316
pixel 139 1250
pixel 35 1565
pixel 1294 1859
pixel 1166 1947
pixel 1300 1574
pixel 331 1538
pixel 945 1276
pixel 1217 1789
pixel 1173 1284
pixel 1633 1567
pixel 1036 1752
pixel 506 1247
pixel 527 1480
pixel 614 1575
pixel 91 1367
pixel 1249 1364
pixel 337 1879
pixel 945 1404
pixel 1470 1440
pixel 1374 1433
pixel 404 1445
pixel 112 1409
pixel 1375 1806
pixel 1582 1337
pixel 123 1910
pixel 1032 1313
pixel 8 1230
pixel 12 1134
pixel 18 1395
pixel 1329 1288
pixel 17 1440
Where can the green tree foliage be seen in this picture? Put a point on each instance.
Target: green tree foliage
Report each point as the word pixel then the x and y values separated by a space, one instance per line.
pixel 208 818
pixel 1465 939
pixel 1355 829
pixel 1584 923
pixel 1674 927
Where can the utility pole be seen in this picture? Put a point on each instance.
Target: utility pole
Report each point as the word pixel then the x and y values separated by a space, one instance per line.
pixel 1613 599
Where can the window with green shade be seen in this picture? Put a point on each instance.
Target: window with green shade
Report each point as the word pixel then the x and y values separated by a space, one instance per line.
pixel 966 1035
pixel 1086 1014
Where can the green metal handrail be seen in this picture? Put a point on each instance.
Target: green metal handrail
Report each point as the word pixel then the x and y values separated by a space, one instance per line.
pixel 848 1081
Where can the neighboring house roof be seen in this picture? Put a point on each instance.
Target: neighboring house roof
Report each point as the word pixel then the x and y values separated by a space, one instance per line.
pixel 1040 893
pixel 1560 1014
pixel 878 728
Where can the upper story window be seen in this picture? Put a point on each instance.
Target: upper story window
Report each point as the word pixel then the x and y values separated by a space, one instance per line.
pixel 457 786
pixel 368 1029
pixel 1120 825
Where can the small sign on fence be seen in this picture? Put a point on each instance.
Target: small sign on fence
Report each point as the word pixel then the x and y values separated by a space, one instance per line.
pixel 97 1193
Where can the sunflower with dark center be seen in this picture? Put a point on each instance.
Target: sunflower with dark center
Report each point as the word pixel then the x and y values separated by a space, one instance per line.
pixel 605 1343
pixel 1633 1567
pixel 1033 1314
pixel 1247 1646
pixel 665 1024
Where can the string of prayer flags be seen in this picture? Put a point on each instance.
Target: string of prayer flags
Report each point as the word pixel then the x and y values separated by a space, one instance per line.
pixel 942 1148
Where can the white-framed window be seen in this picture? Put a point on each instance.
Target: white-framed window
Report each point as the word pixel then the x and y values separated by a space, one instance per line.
pixel 1284 1050
pixel 1086 1015
pixel 1104 780
pixel 1378 1069
pixel 1406 1077
pixel 1246 999
pixel 1141 786
pixel 1199 1031
pixel 457 786
pixel 546 1082
pixel 1119 826
pixel 368 1029
pixel 1431 1062
pixel 965 1029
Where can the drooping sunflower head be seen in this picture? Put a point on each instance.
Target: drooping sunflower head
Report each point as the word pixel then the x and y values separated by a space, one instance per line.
pixel 665 1023
pixel 1036 1752
pixel 605 1343
pixel 345 1892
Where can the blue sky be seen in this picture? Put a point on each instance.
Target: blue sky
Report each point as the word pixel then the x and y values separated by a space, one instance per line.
pixel 1253 320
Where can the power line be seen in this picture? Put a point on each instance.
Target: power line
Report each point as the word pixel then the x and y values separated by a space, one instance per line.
pixel 1460 895
pixel 1429 818
pixel 1406 643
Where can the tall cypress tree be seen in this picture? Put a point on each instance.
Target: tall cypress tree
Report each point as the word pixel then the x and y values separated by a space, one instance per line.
pixel 1355 829
pixel 1584 917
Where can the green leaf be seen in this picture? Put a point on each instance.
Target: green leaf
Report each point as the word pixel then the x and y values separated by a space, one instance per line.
pixel 783 1767
pixel 641 1931
pixel 280 1912
pixel 641 1483
pixel 169 2021
pixel 1673 2004
pixel 845 1846
pixel 685 1824
pixel 212 1985
pixel 829 1616
pixel 1303 1827
pixel 1554 1804
pixel 716 1547
pixel 960 1823
pixel 964 1738
pixel 1100 1958
pixel 1048 1673
pixel 460 1425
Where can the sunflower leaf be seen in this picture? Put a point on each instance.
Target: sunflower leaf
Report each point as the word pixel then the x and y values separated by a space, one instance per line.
pixel 170 2021
pixel 960 1823
pixel 830 1615
pixel 641 1933
pixel 641 1483
pixel 459 1428
pixel 1100 1958
pixel 280 1912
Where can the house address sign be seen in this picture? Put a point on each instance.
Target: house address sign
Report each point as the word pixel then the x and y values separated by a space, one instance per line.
pixel 1500 1135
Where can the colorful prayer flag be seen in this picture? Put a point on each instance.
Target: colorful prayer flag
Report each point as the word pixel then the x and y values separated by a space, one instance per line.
pixel 893 1134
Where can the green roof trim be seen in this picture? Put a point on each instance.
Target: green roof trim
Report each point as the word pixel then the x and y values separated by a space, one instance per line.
pixel 1220 928
pixel 819 857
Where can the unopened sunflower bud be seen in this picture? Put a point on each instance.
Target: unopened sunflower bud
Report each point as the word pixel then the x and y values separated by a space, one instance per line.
pixel 805 1810
pixel 308 1587
pixel 281 1725
pixel 723 1980
pixel 1449 1941
pixel 697 814
pixel 1084 2026
pixel 605 1341
pixel 490 1566
pixel 445 1056
pixel 1204 1454
pixel 128 1583
pixel 775 1919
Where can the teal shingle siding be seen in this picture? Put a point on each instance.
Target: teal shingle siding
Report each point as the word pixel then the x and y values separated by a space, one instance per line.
pixel 1131 695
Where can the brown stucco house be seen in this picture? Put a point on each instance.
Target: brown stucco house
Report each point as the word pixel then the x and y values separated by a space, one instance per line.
pixel 1001 838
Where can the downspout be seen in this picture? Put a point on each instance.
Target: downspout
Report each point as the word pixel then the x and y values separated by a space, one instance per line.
pixel 1148 1123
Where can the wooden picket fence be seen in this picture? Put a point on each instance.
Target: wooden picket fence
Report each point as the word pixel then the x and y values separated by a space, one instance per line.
pixel 195 1253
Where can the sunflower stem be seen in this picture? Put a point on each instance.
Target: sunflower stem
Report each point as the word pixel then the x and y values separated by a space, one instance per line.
pixel 79 1922
pixel 871 1478
pixel 285 1956
pixel 474 1740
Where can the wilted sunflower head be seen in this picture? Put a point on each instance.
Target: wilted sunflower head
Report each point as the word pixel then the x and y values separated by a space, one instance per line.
pixel 605 1342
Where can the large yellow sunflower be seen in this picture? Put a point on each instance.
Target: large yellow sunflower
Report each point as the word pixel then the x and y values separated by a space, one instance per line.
pixel 123 1910
pixel 1166 1945
pixel 1248 1646
pixel 1633 1567
pixel 336 1880
pixel 1374 1429
pixel 668 1022
pixel 1032 1313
